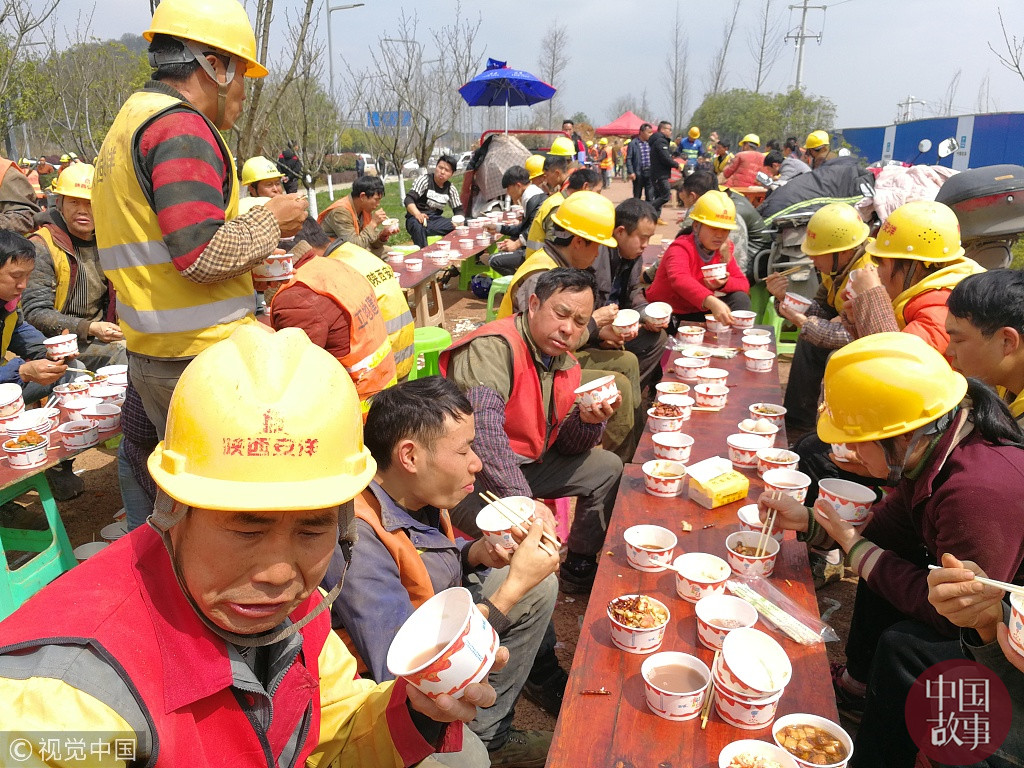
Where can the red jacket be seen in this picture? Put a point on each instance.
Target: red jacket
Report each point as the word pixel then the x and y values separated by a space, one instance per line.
pixel 742 171
pixel 680 282
pixel 528 434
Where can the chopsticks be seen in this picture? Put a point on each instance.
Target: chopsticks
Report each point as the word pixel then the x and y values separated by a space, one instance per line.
pixel 792 270
pixel 705 708
pixel 509 514
pixel 766 529
pixel 1014 588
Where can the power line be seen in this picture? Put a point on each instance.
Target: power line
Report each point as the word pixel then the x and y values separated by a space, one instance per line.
pixel 802 35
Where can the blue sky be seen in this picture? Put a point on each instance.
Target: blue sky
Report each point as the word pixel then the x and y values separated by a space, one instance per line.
pixel 873 53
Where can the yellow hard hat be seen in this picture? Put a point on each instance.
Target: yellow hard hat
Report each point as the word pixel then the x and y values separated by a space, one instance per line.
pixel 65 159
pixel 716 209
pixel 588 215
pixel 751 138
pixel 884 385
pixel 603 141
pixel 75 181
pixel 590 143
pixel 562 147
pixel 263 421
pixel 535 165
pixel 694 133
pixel 259 169
pixel 833 228
pixel 222 24
pixel 922 230
pixel 817 139
pixel 23 162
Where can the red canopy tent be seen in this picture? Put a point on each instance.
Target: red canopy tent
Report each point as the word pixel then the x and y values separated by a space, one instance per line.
pixel 626 124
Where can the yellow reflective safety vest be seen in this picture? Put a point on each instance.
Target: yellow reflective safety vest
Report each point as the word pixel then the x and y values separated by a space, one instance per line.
pixel 535 238
pixel 946 278
pixel 835 287
pixel 161 313
pixel 61 266
pixel 7 332
pixel 538 262
pixel 390 296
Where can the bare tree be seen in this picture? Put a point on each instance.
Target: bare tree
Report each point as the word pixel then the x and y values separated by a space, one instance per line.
pixel 766 43
pixel 675 77
pixel 552 64
pixel 1013 60
pixel 630 102
pixel 717 78
pixel 948 108
pixel 984 102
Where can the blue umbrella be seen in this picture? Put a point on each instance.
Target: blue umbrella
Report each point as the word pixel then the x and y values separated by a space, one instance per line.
pixel 498 85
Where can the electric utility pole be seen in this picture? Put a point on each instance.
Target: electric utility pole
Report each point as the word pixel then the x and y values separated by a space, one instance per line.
pixel 801 36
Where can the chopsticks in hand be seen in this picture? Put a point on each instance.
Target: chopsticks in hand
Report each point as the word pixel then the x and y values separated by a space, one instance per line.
pixel 509 514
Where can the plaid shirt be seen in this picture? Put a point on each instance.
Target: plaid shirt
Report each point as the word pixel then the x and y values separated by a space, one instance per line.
pixel 140 438
pixel 645 155
pixel 871 312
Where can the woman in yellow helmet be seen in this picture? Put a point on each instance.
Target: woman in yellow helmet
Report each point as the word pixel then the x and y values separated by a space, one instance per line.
pixel 918 260
pixel 956 468
pixel 679 279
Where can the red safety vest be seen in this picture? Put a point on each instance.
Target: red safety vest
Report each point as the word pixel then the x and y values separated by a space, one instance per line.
pixel 127 601
pixel 528 434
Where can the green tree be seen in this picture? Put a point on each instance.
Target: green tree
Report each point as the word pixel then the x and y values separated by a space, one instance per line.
pixel 771 115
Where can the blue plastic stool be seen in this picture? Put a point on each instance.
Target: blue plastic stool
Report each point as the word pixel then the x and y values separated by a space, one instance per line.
pixel 52 545
pixel 428 342
pixel 499 286
pixel 470 268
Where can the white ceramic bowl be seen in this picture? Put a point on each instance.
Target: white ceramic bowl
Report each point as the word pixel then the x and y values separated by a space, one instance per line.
pixel 52 415
pixel 794 302
pixel 776 458
pixel 598 391
pixel 660 686
pixel 776 416
pixel 1016 624
pixel 690 334
pixel 699 574
pixel 663 478
pixel 672 446
pixel 105 416
pixel 626 321
pixel 495 523
pixel 664 388
pixel 717 271
pixel 445 645
pixel 750 520
pixel 414 265
pixel 276 266
pixel 713 376
pixel 11 401
pixel 683 402
pixel 756 662
pixel 755 748
pixel 461 230
pixel 743 318
pixel 658 313
pixel 711 395
pixel 108 394
pixel 714 326
pixel 759 360
pixel 687 368
pixel 438 258
pixel 443 245
pixel 58 347
pixel 747 715
pixel 74 406
pixel 815 721
pixel 664 423
pixel 758 332
pixel 28 457
pixel 770 431
pixel 649 547
pixel 718 615
pixel 396 257
pixel 749 565
pixel 29 421
pixel 751 343
pixel 78 434
pixel 743 448
pixel 852 501
pixel 466 243
pixel 787 481
pixel 637 640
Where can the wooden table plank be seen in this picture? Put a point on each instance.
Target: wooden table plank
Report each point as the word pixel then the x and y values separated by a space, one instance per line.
pixel 619 730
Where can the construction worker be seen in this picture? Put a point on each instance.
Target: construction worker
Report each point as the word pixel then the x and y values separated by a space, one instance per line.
pixel 691 148
pixel 262 177
pixel 521 191
pixel 166 198
pixel 557 165
pixel 606 161
pixel 721 158
pixel 919 261
pixel 741 172
pixel 337 309
pixel 817 149
pixel 18 205
pixel 834 240
pixel 32 174
pixel 390 296
pixel 359 218
pixel 262 456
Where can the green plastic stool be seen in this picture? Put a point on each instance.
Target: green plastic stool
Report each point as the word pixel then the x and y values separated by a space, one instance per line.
pixel 759 301
pixel 431 239
pixel 499 286
pixel 785 341
pixel 470 268
pixel 55 555
pixel 428 342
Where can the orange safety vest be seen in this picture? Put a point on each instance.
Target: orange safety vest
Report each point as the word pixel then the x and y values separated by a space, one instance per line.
pixel 33 179
pixel 361 223
pixel 529 433
pixel 608 161
pixel 370 361
pixel 411 570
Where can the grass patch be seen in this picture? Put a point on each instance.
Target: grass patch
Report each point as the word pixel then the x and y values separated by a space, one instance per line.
pixel 392 204
pixel 1017 255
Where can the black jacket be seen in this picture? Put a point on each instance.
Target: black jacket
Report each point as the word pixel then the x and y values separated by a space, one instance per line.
pixel 661 156
pixel 633 158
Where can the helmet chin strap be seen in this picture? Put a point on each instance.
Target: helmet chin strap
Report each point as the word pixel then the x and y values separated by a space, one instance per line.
pixel 222 86
pixel 925 431
pixel 166 510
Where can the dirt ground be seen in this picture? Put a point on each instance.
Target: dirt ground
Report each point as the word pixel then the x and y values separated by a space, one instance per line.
pixel 85 516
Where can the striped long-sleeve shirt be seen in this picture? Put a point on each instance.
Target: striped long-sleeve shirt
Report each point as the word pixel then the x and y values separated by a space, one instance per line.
pixel 189 186
pixel 430 198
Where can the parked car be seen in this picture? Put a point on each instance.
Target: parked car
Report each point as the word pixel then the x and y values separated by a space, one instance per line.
pixel 411 168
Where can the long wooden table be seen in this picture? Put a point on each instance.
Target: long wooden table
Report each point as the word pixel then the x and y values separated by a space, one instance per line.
pixel 618 729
